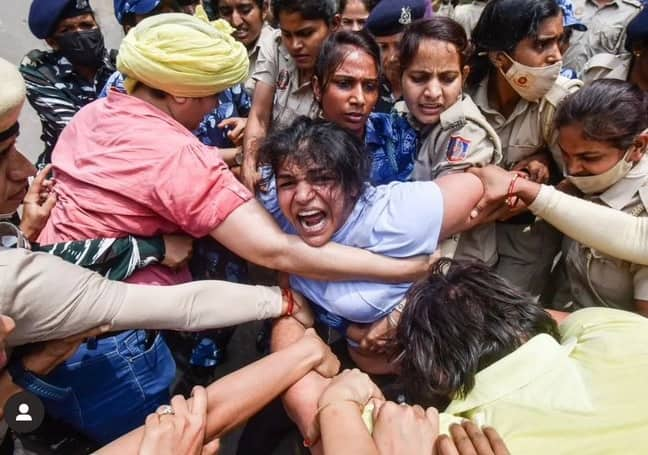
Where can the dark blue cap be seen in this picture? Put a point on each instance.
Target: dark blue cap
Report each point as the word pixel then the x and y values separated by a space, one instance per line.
pixel 123 7
pixel 392 16
pixel 44 15
pixel 637 30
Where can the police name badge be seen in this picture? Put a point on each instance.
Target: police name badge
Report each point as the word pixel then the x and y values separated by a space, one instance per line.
pixel 458 148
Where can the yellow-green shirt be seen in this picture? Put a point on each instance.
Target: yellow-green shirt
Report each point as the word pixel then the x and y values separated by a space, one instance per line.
pixel 585 395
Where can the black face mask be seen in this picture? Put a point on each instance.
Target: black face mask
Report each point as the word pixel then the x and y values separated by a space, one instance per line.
pixel 83 48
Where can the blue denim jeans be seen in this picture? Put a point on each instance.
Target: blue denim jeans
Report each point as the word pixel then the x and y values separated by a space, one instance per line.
pixel 110 385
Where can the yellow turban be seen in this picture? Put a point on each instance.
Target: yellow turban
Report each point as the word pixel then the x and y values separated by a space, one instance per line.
pixel 182 55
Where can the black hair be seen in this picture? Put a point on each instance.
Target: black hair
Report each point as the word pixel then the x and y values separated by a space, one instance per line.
pixel 609 110
pixel 458 320
pixel 311 10
pixel 336 48
pixel 369 4
pixel 320 143
pixel 501 27
pixel 439 28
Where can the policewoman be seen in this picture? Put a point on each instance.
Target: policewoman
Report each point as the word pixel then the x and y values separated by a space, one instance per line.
pixel 603 134
pixel 387 22
pixel 632 66
pixel 515 82
pixel 454 133
pixel 284 68
pixel 606 21
pixel 69 76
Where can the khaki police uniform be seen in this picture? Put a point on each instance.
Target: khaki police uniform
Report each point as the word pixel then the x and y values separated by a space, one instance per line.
pixel 605 30
pixel 266 38
pixel 526 246
pixel 293 98
pixel 462 136
pixel 468 15
pixel 608 66
pixel 594 279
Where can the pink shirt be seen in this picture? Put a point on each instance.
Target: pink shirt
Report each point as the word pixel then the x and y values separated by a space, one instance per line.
pixel 124 167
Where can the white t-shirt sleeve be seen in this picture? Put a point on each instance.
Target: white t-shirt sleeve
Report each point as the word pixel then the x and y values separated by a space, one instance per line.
pixel 409 223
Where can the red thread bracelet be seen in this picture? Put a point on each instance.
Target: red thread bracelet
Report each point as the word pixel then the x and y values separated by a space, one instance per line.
pixel 287 294
pixel 511 198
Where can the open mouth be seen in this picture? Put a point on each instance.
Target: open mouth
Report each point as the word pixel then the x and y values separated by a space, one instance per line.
pixel 355 117
pixel 431 109
pixel 312 221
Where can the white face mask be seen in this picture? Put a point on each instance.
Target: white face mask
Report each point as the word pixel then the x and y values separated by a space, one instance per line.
pixel 593 184
pixel 530 82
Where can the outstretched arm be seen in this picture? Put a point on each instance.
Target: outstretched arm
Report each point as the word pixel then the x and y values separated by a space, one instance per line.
pixel 570 215
pixel 270 247
pixel 256 130
pixel 239 395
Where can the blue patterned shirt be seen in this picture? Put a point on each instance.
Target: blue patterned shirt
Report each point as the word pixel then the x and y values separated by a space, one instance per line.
pixel 392 143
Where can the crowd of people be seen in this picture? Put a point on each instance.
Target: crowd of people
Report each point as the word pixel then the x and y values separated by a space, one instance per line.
pixel 439 209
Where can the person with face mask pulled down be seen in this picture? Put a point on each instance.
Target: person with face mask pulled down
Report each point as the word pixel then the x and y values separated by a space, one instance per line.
pixel 63 80
pixel 515 81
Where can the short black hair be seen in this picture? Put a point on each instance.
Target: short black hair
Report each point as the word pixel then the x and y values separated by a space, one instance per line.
pixel 609 110
pixel 501 27
pixel 311 10
pixel 323 144
pixel 458 320
pixel 337 47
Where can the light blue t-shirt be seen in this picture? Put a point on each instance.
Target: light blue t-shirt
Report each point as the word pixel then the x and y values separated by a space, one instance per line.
pixel 402 219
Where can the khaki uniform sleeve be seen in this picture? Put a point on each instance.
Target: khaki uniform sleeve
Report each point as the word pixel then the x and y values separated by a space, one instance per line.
pixel 463 136
pixel 573 217
pixel 267 64
pixel 50 299
pixel 548 106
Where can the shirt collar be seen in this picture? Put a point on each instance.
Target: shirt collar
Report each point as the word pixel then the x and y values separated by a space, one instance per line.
pixel 614 3
pixel 532 360
pixel 620 195
pixel 480 97
pixel 255 49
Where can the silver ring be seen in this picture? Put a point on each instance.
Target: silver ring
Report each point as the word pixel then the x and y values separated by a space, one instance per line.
pixel 165 409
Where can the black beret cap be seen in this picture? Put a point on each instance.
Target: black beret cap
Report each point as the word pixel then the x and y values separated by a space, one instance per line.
pixel 392 16
pixel 637 30
pixel 44 15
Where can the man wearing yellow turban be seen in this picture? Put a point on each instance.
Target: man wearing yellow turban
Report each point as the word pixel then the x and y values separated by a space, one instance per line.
pixel 128 164
pixel 206 61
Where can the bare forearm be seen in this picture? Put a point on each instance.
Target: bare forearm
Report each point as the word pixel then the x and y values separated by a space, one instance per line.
pixel 527 190
pixel 239 395
pixel 343 430
pixel 279 371
pixel 268 246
